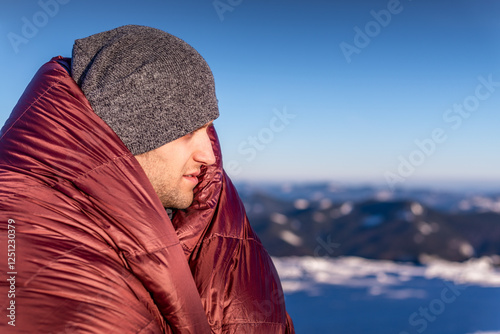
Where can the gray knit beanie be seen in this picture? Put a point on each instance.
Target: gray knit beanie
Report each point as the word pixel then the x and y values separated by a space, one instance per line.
pixel 150 87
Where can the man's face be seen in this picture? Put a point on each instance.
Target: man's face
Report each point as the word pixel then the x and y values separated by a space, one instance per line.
pixel 173 168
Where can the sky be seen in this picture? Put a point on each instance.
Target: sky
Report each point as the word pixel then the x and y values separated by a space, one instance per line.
pixel 389 92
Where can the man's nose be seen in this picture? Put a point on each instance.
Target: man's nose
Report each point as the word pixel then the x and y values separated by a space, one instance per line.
pixel 205 153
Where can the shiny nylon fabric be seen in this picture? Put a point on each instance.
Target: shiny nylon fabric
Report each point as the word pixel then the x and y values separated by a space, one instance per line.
pixel 96 251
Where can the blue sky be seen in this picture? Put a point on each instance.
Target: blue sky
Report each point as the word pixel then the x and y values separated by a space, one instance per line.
pixel 396 93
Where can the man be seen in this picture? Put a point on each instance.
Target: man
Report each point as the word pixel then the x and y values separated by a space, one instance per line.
pixel 95 151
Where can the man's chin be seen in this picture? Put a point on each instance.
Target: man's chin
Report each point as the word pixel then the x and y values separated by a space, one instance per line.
pixel 184 206
pixel 180 202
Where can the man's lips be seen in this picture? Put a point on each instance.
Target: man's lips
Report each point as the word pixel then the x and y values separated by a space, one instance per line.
pixel 192 177
pixel 195 173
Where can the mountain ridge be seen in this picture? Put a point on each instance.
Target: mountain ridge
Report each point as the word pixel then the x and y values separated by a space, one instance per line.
pixel 368 223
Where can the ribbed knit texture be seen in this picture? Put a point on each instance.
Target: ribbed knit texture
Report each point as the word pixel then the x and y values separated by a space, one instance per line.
pixel 149 86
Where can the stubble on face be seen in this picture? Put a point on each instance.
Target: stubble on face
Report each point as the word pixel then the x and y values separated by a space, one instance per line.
pixel 166 181
pixel 173 169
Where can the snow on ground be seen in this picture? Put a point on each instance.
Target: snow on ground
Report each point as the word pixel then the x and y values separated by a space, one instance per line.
pixel 353 295
pixel 308 273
